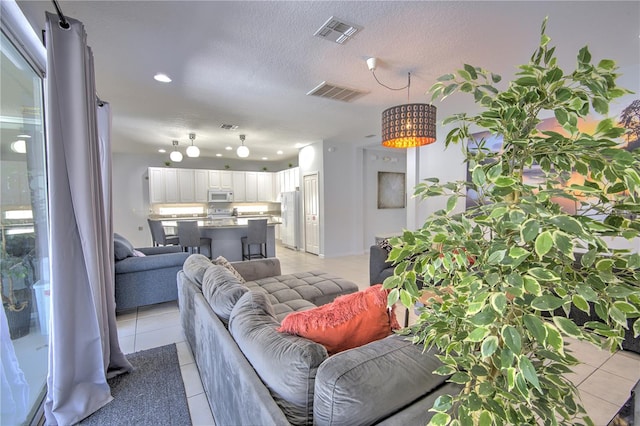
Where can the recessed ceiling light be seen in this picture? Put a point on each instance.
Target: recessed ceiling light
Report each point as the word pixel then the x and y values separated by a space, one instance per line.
pixel 218 155
pixel 23 136
pixel 264 158
pixel 162 150
pixel 162 78
pixel 280 152
pixel 229 148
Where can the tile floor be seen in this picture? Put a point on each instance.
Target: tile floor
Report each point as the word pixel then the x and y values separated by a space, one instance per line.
pixel 604 379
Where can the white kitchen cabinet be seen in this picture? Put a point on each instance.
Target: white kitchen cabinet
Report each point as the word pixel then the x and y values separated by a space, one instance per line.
pixel 156 185
pixel 171 187
pixel 277 186
pixel 221 180
pixel 239 186
pixel 214 179
pixel 201 183
pixel 186 186
pixel 265 186
pixel 251 183
pixel 289 179
pixel 226 180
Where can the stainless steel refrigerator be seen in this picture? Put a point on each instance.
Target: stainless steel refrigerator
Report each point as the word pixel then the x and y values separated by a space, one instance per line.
pixel 290 228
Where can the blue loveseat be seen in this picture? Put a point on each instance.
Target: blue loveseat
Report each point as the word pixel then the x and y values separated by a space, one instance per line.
pixel 148 279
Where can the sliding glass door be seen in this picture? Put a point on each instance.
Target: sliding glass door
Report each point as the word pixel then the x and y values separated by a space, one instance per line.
pixel 24 268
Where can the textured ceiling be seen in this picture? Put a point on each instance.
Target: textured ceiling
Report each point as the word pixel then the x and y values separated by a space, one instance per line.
pixel 252 63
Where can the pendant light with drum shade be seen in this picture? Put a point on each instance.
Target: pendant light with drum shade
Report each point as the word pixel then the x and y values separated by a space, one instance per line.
pixel 408 125
pixel 175 156
pixel 242 151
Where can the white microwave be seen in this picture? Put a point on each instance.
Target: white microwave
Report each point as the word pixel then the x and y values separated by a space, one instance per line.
pixel 216 196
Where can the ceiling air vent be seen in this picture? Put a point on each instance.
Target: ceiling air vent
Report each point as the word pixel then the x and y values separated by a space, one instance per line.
pixel 337 30
pixel 229 126
pixel 338 93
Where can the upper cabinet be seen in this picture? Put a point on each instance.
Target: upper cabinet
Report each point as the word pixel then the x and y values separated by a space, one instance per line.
pixel 264 186
pixel 201 183
pixel 156 185
pixel 251 194
pixel 169 185
pixel 239 186
pixel 220 179
pixel 289 179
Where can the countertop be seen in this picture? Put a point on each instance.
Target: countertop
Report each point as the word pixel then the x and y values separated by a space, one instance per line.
pixel 218 223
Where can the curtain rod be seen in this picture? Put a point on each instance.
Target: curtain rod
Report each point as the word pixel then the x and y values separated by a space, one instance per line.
pixel 63 21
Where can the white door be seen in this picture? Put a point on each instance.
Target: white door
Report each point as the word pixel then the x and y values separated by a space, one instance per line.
pixel 156 185
pixel 186 185
pixel 171 186
pixel 311 214
pixel 251 194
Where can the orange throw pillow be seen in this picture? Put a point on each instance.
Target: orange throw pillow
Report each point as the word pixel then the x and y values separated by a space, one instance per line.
pixel 349 321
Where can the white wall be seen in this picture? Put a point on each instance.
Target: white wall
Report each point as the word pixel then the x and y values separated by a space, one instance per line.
pixel 343 200
pixel 131 188
pixel 381 221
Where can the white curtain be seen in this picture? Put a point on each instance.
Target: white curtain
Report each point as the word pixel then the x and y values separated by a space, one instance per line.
pixel 83 343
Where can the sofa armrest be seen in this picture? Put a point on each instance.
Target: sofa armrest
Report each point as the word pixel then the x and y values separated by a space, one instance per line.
pixel 150 251
pixel 252 270
pixel 159 261
pixel 399 371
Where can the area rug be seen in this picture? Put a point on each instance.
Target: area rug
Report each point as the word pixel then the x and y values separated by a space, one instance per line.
pixel 152 394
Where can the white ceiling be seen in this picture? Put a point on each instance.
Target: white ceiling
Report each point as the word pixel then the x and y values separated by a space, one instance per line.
pixel 252 63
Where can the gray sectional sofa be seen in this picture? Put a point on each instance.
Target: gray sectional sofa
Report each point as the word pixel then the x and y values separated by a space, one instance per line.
pixel 254 375
pixel 145 280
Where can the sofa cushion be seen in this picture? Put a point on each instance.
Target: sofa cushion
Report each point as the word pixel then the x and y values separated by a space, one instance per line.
pixel 222 290
pixel 365 385
pixel 194 268
pixel 317 287
pixel 220 260
pixel 286 364
pixel 122 248
pixel 348 322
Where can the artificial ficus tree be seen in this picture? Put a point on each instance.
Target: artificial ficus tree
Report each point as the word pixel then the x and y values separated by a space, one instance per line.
pixel 505 273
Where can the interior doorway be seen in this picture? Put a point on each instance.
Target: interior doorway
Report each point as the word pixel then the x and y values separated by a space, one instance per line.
pixel 311 213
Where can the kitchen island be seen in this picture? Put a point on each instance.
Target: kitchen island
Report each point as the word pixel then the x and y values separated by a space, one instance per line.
pixel 225 234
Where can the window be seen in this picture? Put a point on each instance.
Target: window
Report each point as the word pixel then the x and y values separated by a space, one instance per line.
pixel 24 268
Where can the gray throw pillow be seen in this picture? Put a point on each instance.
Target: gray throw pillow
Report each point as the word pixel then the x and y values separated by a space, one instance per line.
pixel 195 267
pixel 222 290
pixel 122 248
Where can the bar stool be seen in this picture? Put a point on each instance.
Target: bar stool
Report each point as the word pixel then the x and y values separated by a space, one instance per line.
pixel 158 235
pixel 256 235
pixel 190 239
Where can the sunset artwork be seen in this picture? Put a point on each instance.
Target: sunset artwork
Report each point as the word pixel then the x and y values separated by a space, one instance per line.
pixel 629 118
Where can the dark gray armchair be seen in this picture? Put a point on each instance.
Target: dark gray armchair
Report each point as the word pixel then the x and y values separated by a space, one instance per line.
pixel 379 268
pixel 145 280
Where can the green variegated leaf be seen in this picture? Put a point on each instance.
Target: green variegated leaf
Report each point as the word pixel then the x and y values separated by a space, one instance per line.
pixel 580 303
pixel 440 419
pixel 489 346
pixel 554 338
pixel 532 286
pixel 529 372
pixel 512 338
pixel 546 303
pixel 511 377
pixel 567 326
pixel 543 274
pixel 498 302
pixel 478 334
pixel 543 243
pixel 536 327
